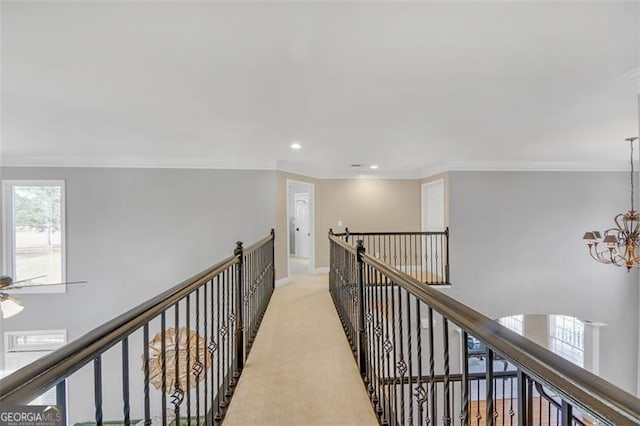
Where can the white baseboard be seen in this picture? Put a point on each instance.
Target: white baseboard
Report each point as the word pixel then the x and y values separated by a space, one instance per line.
pixel 323 270
pixel 283 281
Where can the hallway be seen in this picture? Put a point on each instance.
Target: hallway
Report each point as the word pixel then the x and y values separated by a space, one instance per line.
pixel 300 370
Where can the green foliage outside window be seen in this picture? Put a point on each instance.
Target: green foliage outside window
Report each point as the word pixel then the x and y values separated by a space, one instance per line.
pixel 37 208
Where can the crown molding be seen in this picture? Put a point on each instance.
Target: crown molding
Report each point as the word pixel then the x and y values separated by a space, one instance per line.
pixel 312 171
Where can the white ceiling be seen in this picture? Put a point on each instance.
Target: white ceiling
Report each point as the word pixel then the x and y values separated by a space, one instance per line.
pixel 415 87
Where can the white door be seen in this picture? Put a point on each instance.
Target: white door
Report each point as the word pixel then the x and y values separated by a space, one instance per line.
pixel 302 228
pixel 433 206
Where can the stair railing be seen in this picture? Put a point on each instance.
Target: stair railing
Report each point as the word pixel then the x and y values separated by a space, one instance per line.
pixel 410 343
pixel 203 327
pixel 424 255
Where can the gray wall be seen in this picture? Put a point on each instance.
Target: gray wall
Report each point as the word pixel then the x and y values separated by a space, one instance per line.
pixel 516 244
pixel 132 233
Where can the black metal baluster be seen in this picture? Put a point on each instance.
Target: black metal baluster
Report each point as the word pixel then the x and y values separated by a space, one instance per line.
pixel 522 398
pixel 61 400
pixel 225 341
pixel 188 371
pixel 207 356
pixel 566 413
pixel 125 381
pixel 432 367
pixel 495 400
pixel 410 363
pixel 434 265
pixel 465 379
pixel 446 419
pixel 539 409
pixel 402 365
pixel 446 264
pixel 394 345
pixel 362 344
pixel 97 388
pixel 404 253
pixel 145 366
pixel 415 257
pixel 502 399
pixel 163 364
pixel 395 251
pixel 511 412
pixel 378 333
pixel 249 309
pixel 478 413
pixel 369 318
pixel 176 397
pixel 219 379
pixel 387 347
pixel 200 369
pixel 489 383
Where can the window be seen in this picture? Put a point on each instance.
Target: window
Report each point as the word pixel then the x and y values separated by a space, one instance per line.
pixel 513 323
pixel 25 347
pixel 34 232
pixel 566 338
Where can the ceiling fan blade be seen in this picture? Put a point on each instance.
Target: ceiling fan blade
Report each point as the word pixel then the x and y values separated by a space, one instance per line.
pixel 29 279
pixel 16 287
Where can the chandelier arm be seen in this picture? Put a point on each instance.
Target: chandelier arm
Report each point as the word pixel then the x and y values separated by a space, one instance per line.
pixel 599 256
pixel 616 220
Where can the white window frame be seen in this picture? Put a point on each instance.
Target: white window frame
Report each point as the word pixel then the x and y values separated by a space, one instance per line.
pixel 8 235
pixel 514 323
pixel 11 349
pixel 10 338
pixel 565 341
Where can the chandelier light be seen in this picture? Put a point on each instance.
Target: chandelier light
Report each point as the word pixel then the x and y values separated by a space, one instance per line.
pixel 620 242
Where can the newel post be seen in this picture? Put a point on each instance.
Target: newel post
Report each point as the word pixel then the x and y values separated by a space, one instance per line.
pixel 362 343
pixel 239 251
pixel 273 259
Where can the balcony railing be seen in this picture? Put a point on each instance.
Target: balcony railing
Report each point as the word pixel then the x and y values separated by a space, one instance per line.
pixel 423 255
pixel 193 340
pixel 410 343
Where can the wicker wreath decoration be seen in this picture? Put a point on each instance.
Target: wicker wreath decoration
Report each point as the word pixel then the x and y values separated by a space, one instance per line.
pixel 196 355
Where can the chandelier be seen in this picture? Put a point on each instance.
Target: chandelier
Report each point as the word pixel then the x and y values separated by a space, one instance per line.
pixel 621 242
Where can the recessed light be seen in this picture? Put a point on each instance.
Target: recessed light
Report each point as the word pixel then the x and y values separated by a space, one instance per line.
pixel 373 166
pixel 296 145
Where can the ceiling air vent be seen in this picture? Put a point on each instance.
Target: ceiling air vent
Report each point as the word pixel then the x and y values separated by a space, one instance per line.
pixel 356 165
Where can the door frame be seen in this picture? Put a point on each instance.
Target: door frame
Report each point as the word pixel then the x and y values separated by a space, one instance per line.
pixel 312 223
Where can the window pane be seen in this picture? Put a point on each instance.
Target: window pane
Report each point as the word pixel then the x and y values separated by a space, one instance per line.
pixel 38 339
pixel 37 231
pixel 566 338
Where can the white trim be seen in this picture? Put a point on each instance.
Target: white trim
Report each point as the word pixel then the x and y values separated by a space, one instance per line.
pixel 283 281
pixel 8 236
pixel 312 223
pixel 126 163
pixel 323 270
pixel 8 346
pixel 316 174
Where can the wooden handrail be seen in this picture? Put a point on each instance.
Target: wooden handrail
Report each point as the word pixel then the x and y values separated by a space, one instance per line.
pixel 39 376
pixel 582 388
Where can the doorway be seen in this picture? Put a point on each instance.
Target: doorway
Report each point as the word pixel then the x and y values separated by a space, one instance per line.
pixel 300 223
pixel 433 220
pixel 433 206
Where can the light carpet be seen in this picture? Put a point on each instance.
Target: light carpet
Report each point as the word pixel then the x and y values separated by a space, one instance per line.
pixel 300 370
